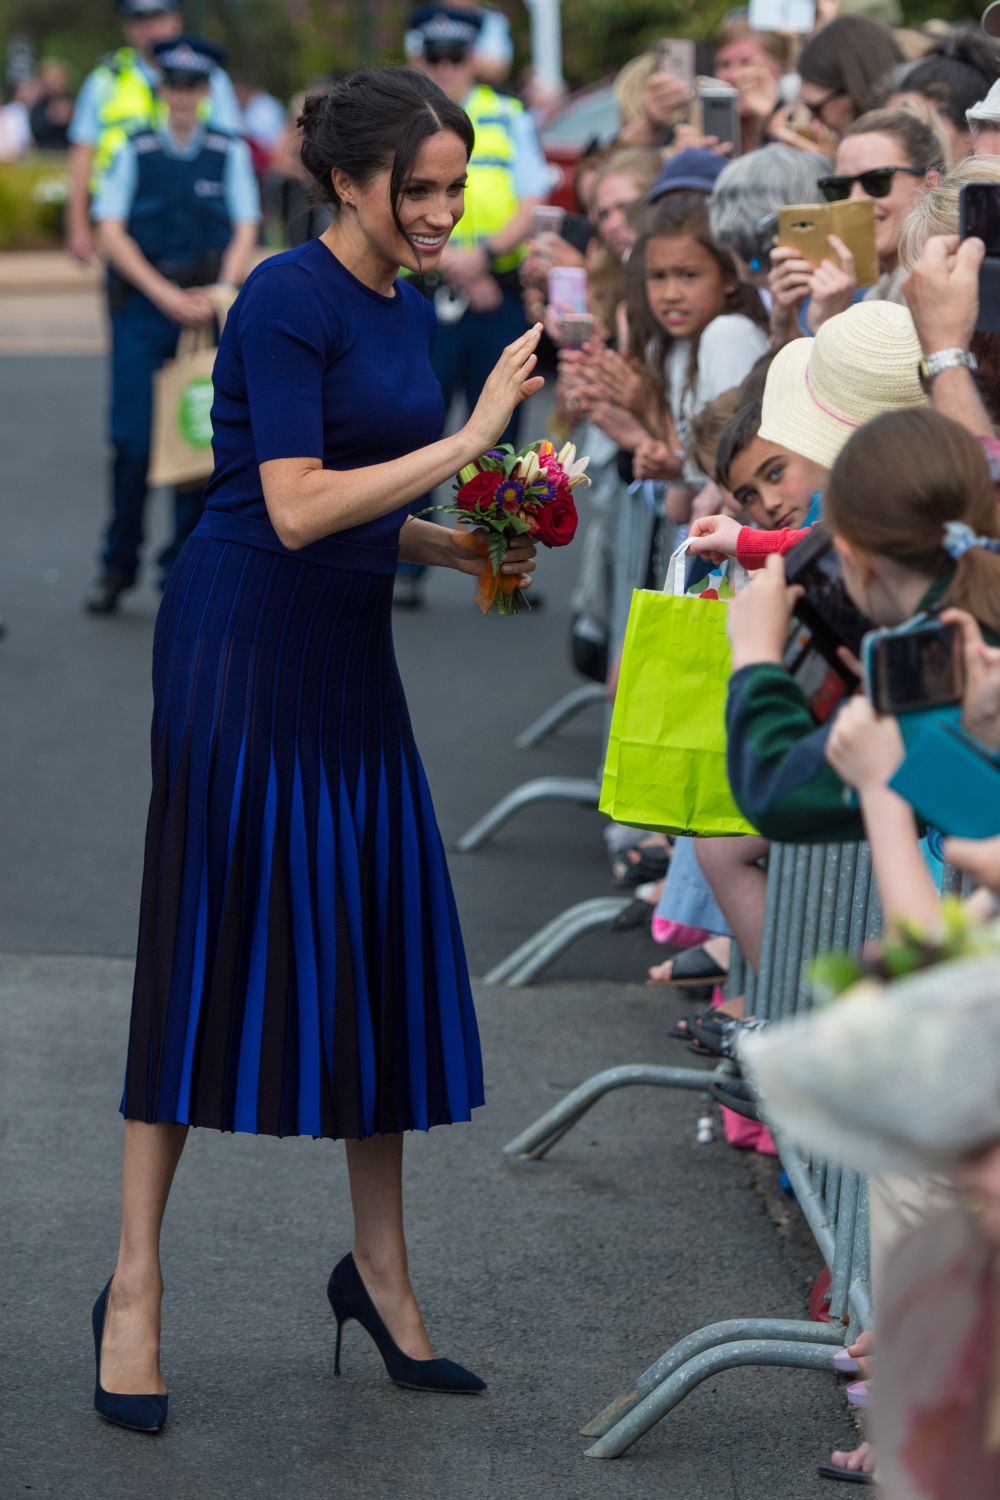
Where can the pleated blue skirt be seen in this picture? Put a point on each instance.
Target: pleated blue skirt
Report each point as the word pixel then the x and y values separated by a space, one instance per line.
pixel 300 968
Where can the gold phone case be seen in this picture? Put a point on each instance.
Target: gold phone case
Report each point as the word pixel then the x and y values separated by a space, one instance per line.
pixel 805 227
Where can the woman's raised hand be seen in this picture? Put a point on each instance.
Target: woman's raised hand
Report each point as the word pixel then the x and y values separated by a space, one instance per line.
pixel 510 382
pixel 833 286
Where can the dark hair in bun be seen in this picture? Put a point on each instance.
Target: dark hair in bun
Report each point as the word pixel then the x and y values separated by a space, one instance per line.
pixel 372 120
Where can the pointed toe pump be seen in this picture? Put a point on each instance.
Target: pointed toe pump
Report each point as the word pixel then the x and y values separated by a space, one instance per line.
pixel 141 1413
pixel 349 1299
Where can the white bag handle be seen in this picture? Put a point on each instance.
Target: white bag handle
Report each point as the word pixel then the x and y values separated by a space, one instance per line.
pixel 676 579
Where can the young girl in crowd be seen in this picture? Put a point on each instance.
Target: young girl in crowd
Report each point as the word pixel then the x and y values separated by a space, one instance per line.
pixel 693 320
pixel 891 157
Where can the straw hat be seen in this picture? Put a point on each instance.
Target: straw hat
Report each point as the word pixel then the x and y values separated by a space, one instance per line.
pixel 819 391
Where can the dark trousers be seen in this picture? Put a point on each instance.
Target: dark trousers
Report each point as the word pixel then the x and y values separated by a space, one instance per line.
pixel 142 340
pixel 464 353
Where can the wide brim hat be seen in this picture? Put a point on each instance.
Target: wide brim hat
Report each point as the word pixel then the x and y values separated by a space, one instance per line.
pixel 820 391
pixel 987 111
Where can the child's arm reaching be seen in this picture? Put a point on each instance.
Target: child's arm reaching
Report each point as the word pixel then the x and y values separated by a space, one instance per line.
pixel 718 537
pixel 866 749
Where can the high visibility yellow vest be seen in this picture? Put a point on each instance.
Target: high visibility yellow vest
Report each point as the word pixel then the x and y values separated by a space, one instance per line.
pixel 490 196
pixel 129 105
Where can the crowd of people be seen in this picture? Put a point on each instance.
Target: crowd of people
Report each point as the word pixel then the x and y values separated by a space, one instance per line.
pixel 754 392
pixel 759 394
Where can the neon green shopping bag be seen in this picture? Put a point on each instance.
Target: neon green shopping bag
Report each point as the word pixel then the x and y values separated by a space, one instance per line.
pixel 666 762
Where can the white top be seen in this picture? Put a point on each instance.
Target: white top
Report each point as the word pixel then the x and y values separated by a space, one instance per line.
pixel 727 351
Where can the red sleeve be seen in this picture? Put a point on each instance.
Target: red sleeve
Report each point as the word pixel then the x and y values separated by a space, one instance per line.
pixel 755 547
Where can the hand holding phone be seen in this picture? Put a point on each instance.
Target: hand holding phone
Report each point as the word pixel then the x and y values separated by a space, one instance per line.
pixel 979 218
pixel 911 670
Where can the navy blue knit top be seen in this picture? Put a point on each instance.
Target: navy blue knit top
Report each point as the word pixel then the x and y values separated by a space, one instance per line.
pixel 314 364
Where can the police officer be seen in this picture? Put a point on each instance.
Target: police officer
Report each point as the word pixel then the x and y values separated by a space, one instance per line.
pixel 477 292
pixel 479 306
pixel 118 97
pixel 177 212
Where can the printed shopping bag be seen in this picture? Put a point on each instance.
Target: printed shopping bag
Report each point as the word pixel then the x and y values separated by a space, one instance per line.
pixel 181 447
pixel 666 762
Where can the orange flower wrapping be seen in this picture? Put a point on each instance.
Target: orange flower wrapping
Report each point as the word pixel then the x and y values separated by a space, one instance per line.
pixel 490 583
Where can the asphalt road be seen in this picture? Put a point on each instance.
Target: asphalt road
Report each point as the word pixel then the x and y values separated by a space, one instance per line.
pixel 558 1281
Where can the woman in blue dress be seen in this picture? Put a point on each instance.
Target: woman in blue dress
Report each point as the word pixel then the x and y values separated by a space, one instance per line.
pixel 300 968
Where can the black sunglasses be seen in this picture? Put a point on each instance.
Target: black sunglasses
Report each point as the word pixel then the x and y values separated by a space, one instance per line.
pixel 817 107
pixel 875 184
pixel 453 52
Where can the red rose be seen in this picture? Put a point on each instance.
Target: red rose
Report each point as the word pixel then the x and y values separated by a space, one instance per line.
pixel 557 521
pixel 478 493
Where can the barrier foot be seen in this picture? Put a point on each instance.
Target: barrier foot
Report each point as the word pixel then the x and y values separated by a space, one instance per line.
pixel 578 789
pixel 565 708
pixel 731 1330
pixel 543 948
pixel 540 1137
pixel 731 1356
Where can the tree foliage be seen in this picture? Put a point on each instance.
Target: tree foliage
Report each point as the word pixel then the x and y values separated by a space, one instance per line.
pixel 283 44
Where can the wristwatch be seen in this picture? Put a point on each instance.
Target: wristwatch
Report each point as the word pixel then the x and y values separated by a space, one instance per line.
pixel 944 359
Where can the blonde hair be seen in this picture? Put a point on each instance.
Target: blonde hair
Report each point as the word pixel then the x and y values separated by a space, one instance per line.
pixel 936 210
pixel 630 86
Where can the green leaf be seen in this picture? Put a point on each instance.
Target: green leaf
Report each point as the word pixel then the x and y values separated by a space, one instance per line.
pixel 830 974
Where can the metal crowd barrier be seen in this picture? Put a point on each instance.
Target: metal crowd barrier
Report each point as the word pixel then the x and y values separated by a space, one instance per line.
pixel 818 897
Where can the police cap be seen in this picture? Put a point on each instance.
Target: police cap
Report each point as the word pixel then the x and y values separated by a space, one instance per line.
pixel 134 10
pixel 440 31
pixel 187 57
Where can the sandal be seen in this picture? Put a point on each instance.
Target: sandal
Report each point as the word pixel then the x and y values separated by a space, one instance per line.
pixel 638 913
pixel 849 1476
pixel 684 1029
pixel 651 864
pixel 696 967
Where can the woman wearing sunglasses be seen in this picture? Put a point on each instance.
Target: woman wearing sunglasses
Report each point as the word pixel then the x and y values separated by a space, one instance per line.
pixel 890 156
pixel 839 68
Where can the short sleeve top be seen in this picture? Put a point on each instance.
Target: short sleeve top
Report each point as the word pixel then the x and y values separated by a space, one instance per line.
pixel 728 349
pixel 315 364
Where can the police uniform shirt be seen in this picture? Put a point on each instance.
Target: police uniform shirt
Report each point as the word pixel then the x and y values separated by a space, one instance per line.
pixel 85 126
pixel 532 175
pixel 117 190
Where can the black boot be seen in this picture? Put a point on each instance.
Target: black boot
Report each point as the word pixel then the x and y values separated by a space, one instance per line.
pixel 103 597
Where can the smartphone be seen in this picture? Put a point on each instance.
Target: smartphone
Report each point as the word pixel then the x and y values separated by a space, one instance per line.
pixel 806 227
pixel 567 289
pixel 719 112
pixel 675 55
pixel 906 670
pixel 951 782
pixel 979 218
pixel 824 619
pixel 547 218
pixel 575 329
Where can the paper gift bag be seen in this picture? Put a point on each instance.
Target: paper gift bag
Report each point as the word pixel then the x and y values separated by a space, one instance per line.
pixel 181 447
pixel 666 762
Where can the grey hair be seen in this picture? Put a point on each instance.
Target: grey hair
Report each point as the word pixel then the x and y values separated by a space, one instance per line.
pixel 751 189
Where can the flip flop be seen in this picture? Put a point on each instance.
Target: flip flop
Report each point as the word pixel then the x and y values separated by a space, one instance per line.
pixel 696 967
pixel 847 1476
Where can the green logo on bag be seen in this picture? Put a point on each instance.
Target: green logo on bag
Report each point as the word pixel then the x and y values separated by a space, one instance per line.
pixel 194 412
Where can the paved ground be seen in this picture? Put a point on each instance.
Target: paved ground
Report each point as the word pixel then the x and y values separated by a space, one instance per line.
pixel 559 1281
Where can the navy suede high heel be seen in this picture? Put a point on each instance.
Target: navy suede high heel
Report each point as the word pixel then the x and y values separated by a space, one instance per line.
pixel 349 1299
pixel 141 1413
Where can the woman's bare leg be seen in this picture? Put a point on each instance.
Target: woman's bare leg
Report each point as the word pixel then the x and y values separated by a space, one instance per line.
pixel 375 1167
pixel 739 885
pixel 130 1350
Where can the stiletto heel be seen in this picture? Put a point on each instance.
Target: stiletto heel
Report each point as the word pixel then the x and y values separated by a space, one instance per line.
pixel 141 1413
pixel 349 1299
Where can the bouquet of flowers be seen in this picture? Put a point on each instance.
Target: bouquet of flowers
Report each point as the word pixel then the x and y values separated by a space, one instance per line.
pixel 508 493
